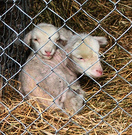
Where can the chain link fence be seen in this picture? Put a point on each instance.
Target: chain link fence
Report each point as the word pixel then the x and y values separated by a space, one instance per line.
pixel 107 107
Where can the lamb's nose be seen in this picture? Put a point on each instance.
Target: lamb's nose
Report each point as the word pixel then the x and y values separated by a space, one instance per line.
pixel 48 53
pixel 99 71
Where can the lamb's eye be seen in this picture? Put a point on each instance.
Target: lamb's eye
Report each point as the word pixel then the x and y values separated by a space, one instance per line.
pixel 80 58
pixel 35 39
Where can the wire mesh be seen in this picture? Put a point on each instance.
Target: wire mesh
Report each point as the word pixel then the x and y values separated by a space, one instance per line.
pixel 16 20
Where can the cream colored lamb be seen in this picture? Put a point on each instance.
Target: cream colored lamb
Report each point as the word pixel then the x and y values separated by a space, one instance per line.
pixel 84 54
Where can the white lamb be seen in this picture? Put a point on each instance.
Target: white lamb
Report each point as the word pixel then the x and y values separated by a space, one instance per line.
pixel 51 81
pixel 44 37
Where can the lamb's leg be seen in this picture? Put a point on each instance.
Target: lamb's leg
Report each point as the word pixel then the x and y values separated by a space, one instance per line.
pixel 74 99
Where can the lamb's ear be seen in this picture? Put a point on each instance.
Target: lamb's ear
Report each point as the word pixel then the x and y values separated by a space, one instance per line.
pixel 101 40
pixel 65 34
pixel 68 48
pixel 27 38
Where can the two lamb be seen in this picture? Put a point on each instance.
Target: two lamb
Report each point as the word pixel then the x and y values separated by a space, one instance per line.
pixel 50 75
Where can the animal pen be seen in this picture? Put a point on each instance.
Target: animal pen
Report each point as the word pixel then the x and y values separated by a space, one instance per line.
pixel 107 108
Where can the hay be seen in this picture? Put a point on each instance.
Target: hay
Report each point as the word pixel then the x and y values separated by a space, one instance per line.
pixel 115 24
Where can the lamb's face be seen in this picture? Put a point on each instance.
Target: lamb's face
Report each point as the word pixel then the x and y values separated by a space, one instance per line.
pixel 40 39
pixel 86 57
